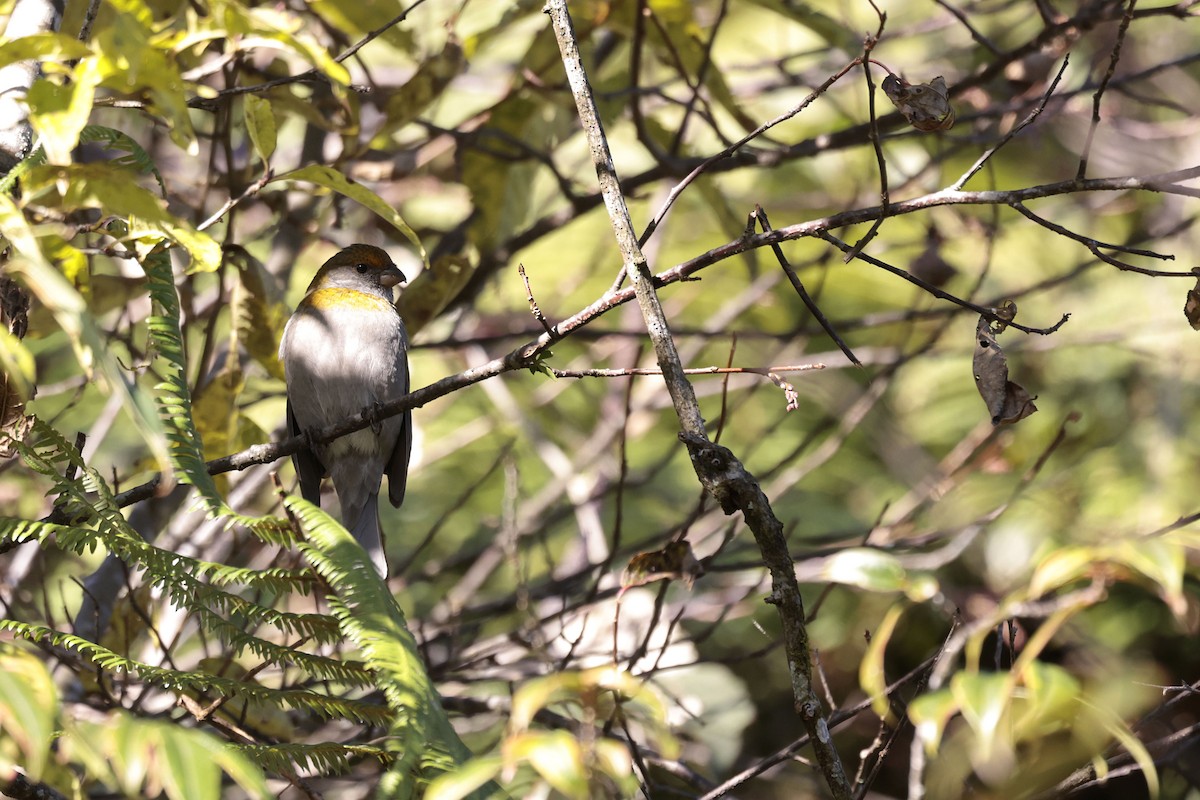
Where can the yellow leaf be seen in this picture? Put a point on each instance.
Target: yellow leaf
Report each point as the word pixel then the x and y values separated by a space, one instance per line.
pixel 260 124
pixel 115 191
pixel 871 674
pixel 42 47
pixel 58 113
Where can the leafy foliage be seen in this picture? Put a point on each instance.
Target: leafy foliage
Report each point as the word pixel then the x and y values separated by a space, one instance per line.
pixel 1027 589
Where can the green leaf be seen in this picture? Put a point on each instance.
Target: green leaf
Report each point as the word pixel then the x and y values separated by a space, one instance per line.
pixel 137 157
pixel 867 569
pixel 28 704
pixel 929 714
pixel 270 28
pixel 183 775
pixel 335 181
pixel 42 47
pixel 427 84
pixel 114 191
pixel 834 33
pixel 260 124
pixel 983 699
pixel 17 364
pixel 70 312
pixel 1121 732
pixel 134 59
pixel 1061 567
pixel 1161 561
pixel 59 113
pixel 556 756
pixel 468 778
pixel 1047 702
pixel 420 736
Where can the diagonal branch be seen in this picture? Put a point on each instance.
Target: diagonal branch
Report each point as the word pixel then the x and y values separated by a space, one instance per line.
pixel 719 471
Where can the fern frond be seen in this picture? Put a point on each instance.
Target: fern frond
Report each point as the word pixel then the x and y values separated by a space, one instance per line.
pixel 175 398
pixel 136 158
pixel 326 758
pixel 420 736
pixel 181 681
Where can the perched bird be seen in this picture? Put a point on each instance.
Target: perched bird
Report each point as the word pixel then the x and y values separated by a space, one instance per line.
pixel 345 350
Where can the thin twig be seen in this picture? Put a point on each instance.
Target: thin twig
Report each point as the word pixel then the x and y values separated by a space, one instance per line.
pixel 1034 114
pixel 682 394
pixel 625 373
pixel 1094 246
pixel 966 23
pixel 809 303
pixel 701 76
pixel 527 355
pixel 251 190
pixel 1081 173
pixel 533 306
pixel 873 135
pixel 722 475
pixel 733 148
pixel 314 73
pixel 937 292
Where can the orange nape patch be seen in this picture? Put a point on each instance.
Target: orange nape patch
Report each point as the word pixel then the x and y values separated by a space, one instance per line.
pixel 327 299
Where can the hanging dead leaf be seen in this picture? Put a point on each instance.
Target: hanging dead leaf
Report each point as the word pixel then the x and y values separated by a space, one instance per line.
pixel 1191 307
pixel 674 562
pixel 929 266
pixel 926 106
pixel 1006 401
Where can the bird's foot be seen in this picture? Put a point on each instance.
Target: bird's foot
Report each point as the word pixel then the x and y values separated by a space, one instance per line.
pixel 374 414
pixel 310 438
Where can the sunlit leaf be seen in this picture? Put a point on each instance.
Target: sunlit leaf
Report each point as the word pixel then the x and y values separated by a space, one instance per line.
pixel 42 47
pixel 865 568
pixel 982 699
pixel 115 191
pixel 260 125
pixel 466 779
pixel 1117 728
pixel 871 674
pixel 1047 701
pixel 557 758
pixel 72 316
pixel 59 112
pixel 336 181
pixel 1061 567
pixel 1163 562
pixel 930 714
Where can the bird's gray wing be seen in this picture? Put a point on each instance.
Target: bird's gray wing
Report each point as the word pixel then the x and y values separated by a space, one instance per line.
pixel 397 466
pixel 308 466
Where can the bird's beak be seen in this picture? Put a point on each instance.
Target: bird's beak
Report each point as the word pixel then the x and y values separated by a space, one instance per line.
pixel 391 276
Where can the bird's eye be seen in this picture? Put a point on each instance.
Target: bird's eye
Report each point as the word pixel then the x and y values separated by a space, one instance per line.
pixel 362 269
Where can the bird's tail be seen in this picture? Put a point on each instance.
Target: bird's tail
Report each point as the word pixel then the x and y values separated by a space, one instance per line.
pixel 366 532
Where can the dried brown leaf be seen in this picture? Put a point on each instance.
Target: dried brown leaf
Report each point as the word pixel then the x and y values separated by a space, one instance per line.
pixel 1006 401
pixel 674 562
pixel 926 106
pixel 929 266
pixel 1191 307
